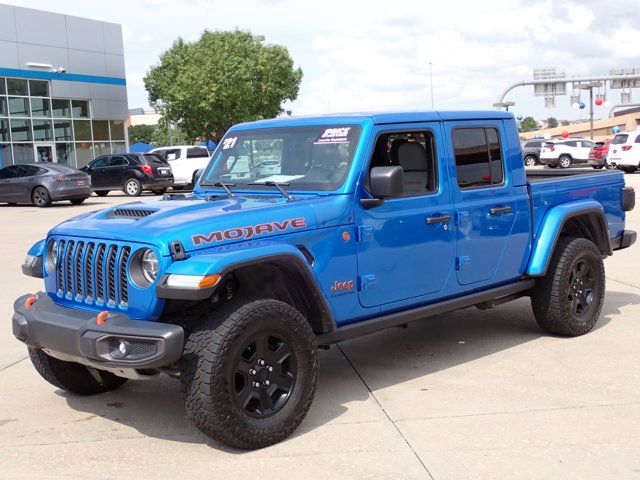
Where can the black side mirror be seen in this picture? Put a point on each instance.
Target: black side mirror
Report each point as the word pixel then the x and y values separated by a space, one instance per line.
pixel 384 182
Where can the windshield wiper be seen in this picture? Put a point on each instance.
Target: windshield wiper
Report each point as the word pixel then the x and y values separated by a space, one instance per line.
pixel 278 185
pixel 223 185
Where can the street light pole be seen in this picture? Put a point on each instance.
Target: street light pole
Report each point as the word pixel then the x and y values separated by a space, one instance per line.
pixel 431 83
pixel 590 86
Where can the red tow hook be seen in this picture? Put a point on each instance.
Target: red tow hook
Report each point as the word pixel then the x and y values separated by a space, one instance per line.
pixel 28 303
pixel 101 319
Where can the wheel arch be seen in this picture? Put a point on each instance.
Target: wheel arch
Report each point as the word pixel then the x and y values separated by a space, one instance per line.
pixel 584 219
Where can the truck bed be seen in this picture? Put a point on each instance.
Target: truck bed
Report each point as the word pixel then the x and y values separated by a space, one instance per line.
pixel 555 174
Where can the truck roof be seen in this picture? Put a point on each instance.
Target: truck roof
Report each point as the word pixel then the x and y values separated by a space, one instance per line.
pixel 380 118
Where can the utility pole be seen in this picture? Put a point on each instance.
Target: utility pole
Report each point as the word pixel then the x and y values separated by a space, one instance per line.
pixel 590 86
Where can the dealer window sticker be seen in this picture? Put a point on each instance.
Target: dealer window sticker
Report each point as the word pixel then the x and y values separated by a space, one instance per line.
pixel 334 135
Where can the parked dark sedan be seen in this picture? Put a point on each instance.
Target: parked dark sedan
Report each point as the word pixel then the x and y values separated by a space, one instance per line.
pixel 43 183
pixel 130 172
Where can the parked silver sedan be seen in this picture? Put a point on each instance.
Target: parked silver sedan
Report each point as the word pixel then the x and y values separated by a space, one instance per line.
pixel 43 183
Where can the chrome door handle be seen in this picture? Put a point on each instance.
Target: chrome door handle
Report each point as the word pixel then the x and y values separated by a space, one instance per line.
pixel 500 210
pixel 438 219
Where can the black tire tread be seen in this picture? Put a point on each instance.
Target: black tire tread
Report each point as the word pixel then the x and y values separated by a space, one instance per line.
pixel 548 302
pixel 71 376
pixel 201 367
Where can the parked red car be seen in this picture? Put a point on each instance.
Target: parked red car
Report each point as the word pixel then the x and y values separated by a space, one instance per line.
pixel 598 154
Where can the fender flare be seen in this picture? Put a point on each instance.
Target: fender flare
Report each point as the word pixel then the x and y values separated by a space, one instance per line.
pixel 545 241
pixel 226 259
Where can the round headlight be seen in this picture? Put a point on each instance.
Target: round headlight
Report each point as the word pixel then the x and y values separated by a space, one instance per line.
pixel 52 255
pixel 149 265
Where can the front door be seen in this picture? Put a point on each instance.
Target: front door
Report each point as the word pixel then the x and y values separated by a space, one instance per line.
pixel 45 152
pixel 406 245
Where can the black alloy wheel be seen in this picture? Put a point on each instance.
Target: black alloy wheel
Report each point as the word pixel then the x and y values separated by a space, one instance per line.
pixel 264 374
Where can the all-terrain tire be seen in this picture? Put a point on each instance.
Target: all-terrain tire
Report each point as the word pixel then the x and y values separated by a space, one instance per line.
pixel 71 376
pixel 568 299
pixel 215 350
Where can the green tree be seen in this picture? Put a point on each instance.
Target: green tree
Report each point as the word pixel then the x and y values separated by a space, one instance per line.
pixel 140 133
pixel 160 136
pixel 552 122
pixel 221 79
pixel 528 124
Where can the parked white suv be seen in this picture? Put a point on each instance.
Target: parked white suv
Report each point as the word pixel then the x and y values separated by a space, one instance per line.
pixel 624 151
pixel 185 161
pixel 564 153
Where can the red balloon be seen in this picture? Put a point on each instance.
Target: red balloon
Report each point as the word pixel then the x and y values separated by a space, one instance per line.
pixel 565 134
pixel 598 101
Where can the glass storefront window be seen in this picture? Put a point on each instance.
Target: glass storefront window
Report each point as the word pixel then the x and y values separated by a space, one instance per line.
pixel 39 88
pixel 64 153
pixel 23 153
pixel 82 130
pixel 80 108
pixel 6 158
pixel 42 130
pixel 117 129
pixel 19 107
pixel 21 131
pixel 4 130
pixel 40 107
pixel 17 86
pixel 118 147
pixel 3 107
pixel 61 108
pixel 102 148
pixel 84 154
pixel 3 89
pixel 62 130
pixel 100 130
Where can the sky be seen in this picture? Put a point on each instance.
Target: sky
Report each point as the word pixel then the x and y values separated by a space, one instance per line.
pixel 378 55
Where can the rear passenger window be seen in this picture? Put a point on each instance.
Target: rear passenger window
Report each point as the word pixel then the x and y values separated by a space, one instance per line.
pixel 478 157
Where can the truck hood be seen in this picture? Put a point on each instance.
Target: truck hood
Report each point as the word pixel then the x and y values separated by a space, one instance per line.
pixel 197 222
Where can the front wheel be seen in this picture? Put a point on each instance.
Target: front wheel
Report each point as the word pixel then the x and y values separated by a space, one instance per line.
pixel 568 299
pixel 71 376
pixel 132 187
pixel 249 372
pixel 40 197
pixel 564 161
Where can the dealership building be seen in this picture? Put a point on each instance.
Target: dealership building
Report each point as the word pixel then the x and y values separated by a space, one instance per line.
pixel 63 94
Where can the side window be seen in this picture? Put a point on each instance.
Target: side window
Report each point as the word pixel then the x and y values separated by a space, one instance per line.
pixel 415 153
pixel 8 172
pixel 172 154
pixel 100 162
pixel 197 152
pixel 478 157
pixel 118 162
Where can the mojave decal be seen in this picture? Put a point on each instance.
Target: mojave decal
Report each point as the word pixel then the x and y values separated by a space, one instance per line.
pixel 245 233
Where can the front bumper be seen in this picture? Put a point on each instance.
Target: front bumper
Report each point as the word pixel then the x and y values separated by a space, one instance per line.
pixel 74 335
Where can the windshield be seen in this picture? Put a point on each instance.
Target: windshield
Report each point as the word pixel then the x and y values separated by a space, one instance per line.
pixel 306 158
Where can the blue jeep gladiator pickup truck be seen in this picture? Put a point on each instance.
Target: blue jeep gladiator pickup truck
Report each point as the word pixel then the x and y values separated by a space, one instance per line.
pixel 362 222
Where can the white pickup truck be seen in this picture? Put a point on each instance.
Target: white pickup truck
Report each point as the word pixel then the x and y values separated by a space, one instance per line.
pixel 185 161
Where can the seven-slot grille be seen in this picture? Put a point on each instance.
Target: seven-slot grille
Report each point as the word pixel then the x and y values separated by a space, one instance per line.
pixel 93 272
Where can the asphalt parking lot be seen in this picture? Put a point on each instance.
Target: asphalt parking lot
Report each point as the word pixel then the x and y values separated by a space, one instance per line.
pixel 471 394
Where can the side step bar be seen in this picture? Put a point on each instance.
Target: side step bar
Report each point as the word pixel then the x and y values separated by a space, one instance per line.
pixel 365 327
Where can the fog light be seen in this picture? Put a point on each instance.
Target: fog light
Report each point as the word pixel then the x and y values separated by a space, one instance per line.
pixel 119 348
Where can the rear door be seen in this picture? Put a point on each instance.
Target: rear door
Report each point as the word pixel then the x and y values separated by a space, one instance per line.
pixel 98 171
pixel 486 204
pixel 117 171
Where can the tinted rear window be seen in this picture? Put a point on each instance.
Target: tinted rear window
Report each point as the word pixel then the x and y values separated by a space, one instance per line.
pixel 151 158
pixel 618 139
pixel 197 152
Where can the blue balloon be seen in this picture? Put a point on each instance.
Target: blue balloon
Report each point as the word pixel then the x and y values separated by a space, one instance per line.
pixel 582 105
pixel 615 129
pixel 519 117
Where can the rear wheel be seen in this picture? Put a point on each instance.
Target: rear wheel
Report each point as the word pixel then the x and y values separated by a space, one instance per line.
pixel 102 193
pixel 71 376
pixel 564 161
pixel 629 169
pixel 132 187
pixel 569 298
pixel 249 372
pixel 530 161
pixel 40 197
pixel 77 201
